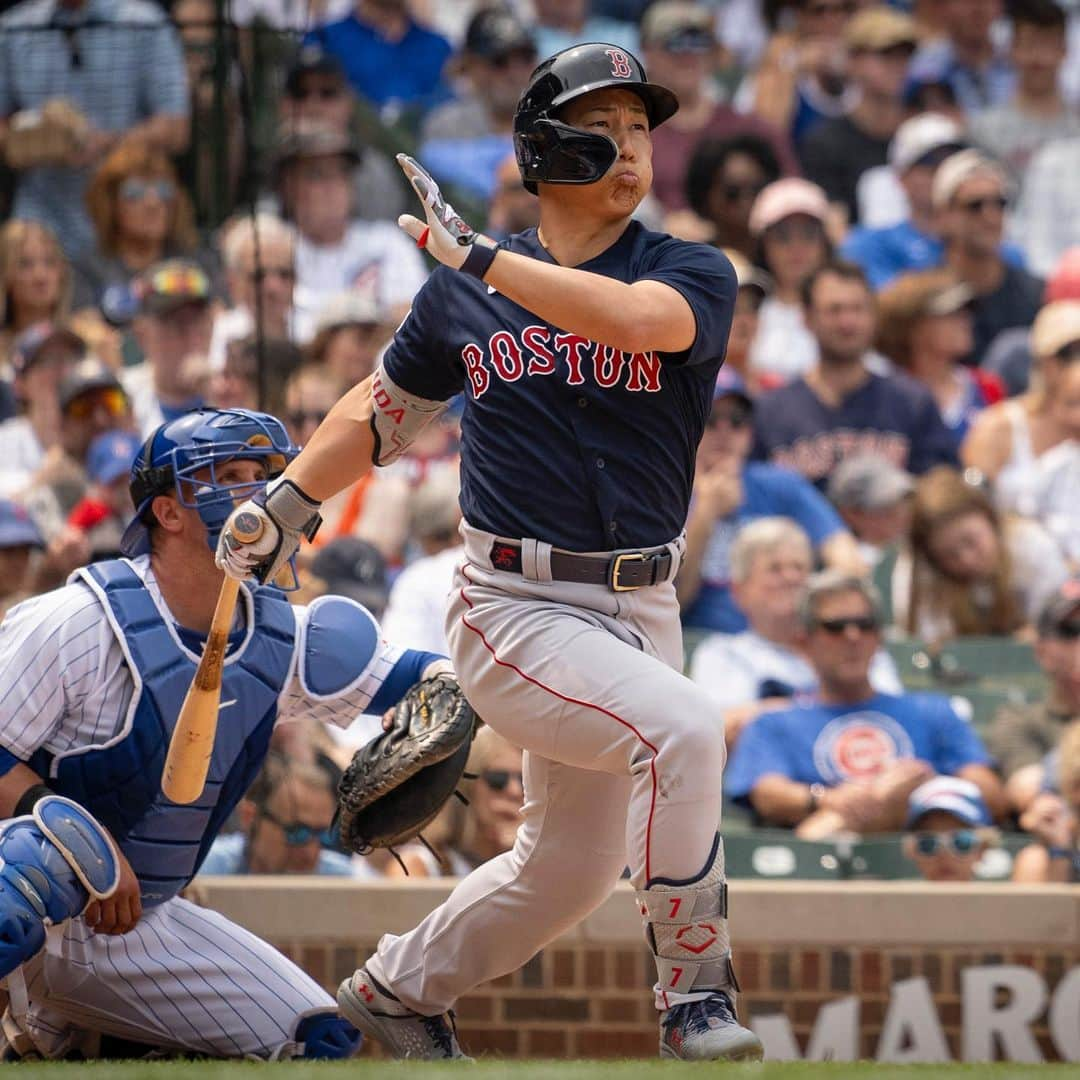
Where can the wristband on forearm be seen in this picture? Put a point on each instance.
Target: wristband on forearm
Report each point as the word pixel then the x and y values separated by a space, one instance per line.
pixel 478 261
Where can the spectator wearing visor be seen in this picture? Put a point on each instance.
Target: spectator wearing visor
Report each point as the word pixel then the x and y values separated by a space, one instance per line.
pixel 171 304
pixel 948 829
pixel 680 51
pixel 970 194
pixel 463 142
pixel 835 154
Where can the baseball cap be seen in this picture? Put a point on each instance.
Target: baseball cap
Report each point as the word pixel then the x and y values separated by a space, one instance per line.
pixel 957 169
pixel 300 142
pixel 1064 282
pixel 922 135
pixel 353 307
pixel 354 568
pixel 678 26
pixel 163 288
pixel 782 198
pixel 111 455
pixel 17 528
pixel 493 33
pixel 875 29
pixel 951 795
pixel 1055 326
pixel 747 275
pixel 88 374
pixel 312 59
pixel 868 482
pixel 31 344
pixel 1062 609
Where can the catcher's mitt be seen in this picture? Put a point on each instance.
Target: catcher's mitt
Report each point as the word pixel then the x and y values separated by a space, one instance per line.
pixel 398 782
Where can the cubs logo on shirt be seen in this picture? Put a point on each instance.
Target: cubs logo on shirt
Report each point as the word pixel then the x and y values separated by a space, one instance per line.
pixel 860 746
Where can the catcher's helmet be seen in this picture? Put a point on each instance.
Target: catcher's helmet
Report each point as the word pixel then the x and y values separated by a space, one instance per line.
pixel 551 152
pixel 202 439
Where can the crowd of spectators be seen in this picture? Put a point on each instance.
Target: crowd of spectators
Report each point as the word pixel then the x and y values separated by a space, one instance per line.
pixel 199 214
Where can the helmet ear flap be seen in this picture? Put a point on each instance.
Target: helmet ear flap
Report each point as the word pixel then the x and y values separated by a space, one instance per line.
pixel 552 152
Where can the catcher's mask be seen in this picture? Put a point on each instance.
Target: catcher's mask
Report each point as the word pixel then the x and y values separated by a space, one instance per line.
pixel 203 439
pixel 551 152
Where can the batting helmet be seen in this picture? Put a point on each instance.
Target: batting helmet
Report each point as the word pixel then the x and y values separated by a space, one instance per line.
pixel 198 440
pixel 551 152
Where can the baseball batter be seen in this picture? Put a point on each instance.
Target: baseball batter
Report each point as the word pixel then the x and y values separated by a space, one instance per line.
pixel 587 351
pixel 92 676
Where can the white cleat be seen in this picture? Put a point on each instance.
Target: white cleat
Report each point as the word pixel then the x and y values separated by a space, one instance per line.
pixel 404 1033
pixel 707 1031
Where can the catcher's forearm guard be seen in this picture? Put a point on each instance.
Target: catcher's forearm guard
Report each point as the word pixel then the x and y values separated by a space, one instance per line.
pixel 397 783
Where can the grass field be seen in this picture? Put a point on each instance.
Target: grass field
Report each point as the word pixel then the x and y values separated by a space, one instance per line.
pixel 535 1070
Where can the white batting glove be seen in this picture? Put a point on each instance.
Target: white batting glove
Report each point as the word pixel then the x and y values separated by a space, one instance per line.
pixel 449 239
pixel 281 516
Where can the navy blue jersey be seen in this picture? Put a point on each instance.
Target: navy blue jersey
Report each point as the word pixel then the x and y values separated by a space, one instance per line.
pixel 565 440
pixel 892 416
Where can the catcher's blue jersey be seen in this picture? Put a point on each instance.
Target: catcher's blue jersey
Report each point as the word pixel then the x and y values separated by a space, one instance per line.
pixel 567 440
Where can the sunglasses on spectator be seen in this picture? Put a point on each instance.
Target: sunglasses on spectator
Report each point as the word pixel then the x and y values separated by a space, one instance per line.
pixel 114 401
pixel 297 833
pixel 1067 631
pixel 989 202
pixel 959 842
pixel 306 416
pixel 499 779
pixel 741 192
pixel 1068 353
pixel 504 60
pixel 865 624
pixel 794 229
pixel 735 416
pixel 135 190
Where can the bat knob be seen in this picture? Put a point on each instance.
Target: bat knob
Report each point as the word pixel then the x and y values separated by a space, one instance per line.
pixel 247 527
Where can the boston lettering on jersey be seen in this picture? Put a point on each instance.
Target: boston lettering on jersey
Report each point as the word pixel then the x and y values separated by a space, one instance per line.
pixel 543 351
pixel 566 440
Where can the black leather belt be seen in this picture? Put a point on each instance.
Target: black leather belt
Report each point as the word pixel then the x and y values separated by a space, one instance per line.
pixel 623 572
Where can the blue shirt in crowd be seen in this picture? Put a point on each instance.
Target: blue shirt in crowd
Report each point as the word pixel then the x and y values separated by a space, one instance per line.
pixel 767 491
pixel 405 72
pixel 228 855
pixel 813 743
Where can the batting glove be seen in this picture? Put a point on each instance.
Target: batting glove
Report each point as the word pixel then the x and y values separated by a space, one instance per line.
pixel 286 515
pixel 446 236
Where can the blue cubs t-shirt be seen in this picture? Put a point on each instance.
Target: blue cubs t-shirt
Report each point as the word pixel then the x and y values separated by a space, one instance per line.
pixel 833 744
pixel 767 491
pixel 565 440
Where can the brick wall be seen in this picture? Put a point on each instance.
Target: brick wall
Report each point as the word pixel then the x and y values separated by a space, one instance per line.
pixel 798 947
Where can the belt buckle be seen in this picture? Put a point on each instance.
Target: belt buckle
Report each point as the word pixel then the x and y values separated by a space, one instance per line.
pixel 616 567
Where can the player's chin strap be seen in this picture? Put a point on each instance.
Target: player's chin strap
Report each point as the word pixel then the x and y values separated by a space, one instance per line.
pixel 687 929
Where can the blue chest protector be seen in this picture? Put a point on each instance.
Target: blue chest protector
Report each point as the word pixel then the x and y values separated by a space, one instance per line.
pixel 121 783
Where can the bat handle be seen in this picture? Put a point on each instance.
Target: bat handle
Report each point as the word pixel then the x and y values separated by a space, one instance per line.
pixel 247 527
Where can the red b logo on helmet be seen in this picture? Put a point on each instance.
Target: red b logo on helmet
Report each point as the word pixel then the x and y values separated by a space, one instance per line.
pixel 620 63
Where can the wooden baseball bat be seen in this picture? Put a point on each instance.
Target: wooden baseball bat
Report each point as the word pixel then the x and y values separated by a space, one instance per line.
pixel 192 742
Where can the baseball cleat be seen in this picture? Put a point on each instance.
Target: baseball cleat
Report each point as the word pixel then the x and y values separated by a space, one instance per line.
pixel 707 1030
pixel 404 1033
